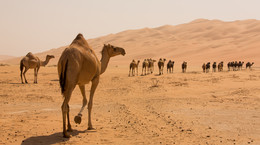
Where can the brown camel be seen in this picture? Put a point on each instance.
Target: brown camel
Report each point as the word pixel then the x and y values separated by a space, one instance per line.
pixel 204 67
pixel 161 65
pixel 248 65
pixel 214 66
pixel 31 61
pixel 133 66
pixel 145 66
pixel 78 65
pixel 184 66
pixel 170 66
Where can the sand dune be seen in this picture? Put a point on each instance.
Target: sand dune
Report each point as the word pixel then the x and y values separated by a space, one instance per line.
pixel 196 42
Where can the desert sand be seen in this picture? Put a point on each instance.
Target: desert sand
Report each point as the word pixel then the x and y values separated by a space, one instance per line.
pixel 182 108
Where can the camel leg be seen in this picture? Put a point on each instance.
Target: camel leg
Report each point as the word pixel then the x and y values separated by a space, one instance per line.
pixel 35 76
pixel 129 72
pixel 94 85
pixel 65 109
pixel 37 70
pixel 77 118
pixel 22 76
pixel 26 69
pixel 137 71
pixel 162 70
pixel 68 117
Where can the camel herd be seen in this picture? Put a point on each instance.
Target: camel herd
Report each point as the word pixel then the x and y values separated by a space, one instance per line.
pixel 148 66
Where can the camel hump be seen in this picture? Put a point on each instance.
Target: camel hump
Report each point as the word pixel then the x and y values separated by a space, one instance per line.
pixel 31 56
pixel 81 41
pixel 79 36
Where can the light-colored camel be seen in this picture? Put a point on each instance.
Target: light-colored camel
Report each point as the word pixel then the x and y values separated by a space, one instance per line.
pixel 151 65
pixel 79 65
pixel 133 67
pixel 220 66
pixel 31 61
pixel 145 66
pixel 161 65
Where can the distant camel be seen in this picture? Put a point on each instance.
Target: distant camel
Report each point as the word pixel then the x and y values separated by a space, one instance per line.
pixel 248 65
pixel 78 65
pixel 145 66
pixel 220 66
pixel 170 65
pixel 161 65
pixel 204 67
pixel 214 66
pixel 31 61
pixel 133 67
pixel 240 65
pixel 151 65
pixel 207 67
pixel 229 65
pixel 184 66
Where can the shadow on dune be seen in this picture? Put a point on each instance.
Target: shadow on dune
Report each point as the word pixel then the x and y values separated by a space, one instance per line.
pixel 49 139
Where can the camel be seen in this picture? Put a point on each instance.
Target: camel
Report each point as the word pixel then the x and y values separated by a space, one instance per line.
pixel 204 67
pixel 151 65
pixel 220 66
pixel 79 65
pixel 184 66
pixel 170 65
pixel 161 65
pixel 229 65
pixel 248 65
pixel 145 66
pixel 31 61
pixel 214 66
pixel 133 66
pixel 240 65
pixel 207 67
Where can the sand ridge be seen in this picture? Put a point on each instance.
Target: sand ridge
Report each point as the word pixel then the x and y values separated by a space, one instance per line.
pixel 196 42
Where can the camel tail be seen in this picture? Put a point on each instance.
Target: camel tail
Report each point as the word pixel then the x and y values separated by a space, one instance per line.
pixel 63 75
pixel 21 66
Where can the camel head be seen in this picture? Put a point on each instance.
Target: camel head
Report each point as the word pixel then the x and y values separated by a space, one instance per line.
pixel 113 50
pixel 50 56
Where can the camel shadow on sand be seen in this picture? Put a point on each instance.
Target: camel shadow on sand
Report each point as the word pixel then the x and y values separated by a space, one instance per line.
pixel 49 139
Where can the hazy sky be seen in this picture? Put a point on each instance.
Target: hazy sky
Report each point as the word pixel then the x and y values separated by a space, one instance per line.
pixel 36 26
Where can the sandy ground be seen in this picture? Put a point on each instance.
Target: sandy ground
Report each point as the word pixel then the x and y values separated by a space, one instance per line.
pixel 190 108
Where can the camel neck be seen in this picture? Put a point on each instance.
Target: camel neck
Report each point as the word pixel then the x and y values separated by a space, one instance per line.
pixel 104 62
pixel 43 63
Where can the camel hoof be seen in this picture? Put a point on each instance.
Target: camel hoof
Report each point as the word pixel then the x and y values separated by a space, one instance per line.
pixel 69 130
pixel 66 135
pixel 91 128
pixel 77 119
